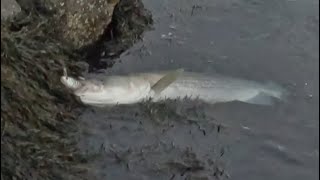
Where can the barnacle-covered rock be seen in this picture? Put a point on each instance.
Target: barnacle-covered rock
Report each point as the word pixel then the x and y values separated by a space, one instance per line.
pixel 84 21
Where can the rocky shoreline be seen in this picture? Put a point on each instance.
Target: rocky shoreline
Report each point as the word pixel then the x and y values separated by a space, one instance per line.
pixel 37 112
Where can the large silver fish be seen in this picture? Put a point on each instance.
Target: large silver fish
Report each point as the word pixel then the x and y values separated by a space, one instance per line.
pixel 133 88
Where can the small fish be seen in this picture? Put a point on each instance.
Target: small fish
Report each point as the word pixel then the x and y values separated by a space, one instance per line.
pixel 133 88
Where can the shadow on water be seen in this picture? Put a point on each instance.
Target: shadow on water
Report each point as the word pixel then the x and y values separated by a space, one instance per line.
pixel 256 40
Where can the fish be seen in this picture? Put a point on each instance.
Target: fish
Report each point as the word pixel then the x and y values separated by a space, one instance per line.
pixel 174 84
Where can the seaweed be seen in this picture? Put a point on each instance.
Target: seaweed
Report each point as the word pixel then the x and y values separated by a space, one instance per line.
pixel 37 112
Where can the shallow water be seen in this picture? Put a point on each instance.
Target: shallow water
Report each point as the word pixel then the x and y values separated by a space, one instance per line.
pixel 273 40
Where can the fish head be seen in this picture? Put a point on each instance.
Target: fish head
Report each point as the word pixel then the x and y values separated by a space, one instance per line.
pixel 64 80
pixel 70 82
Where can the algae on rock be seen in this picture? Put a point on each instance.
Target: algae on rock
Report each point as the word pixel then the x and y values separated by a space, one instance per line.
pixel 34 116
pixel 37 112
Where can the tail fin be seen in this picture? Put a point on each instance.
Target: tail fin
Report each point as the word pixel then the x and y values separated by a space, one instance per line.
pixel 262 99
pixel 276 91
pixel 269 94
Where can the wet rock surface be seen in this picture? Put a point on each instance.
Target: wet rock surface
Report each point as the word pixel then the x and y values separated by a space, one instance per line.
pixel 85 20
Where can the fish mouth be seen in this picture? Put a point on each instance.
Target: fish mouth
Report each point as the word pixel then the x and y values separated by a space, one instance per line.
pixel 70 82
pixel 63 80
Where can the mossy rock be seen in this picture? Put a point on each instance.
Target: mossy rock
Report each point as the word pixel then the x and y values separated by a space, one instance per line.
pixel 37 112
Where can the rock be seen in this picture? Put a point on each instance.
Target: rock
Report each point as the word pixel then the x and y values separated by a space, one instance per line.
pixel 9 8
pixel 85 20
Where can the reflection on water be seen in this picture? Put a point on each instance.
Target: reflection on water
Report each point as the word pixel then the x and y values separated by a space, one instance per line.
pixel 251 39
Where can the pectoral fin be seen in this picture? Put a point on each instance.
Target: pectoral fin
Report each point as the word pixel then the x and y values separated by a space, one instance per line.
pixel 166 80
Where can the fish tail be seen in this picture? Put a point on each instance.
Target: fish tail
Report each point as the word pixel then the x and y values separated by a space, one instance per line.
pixel 276 91
pixel 268 94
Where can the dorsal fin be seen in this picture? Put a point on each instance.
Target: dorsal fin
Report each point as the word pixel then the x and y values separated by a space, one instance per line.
pixel 166 80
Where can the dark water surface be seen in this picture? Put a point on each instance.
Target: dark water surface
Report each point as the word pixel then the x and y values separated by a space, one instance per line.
pixel 274 40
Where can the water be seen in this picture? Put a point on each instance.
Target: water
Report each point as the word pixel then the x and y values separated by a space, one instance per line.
pixel 259 40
